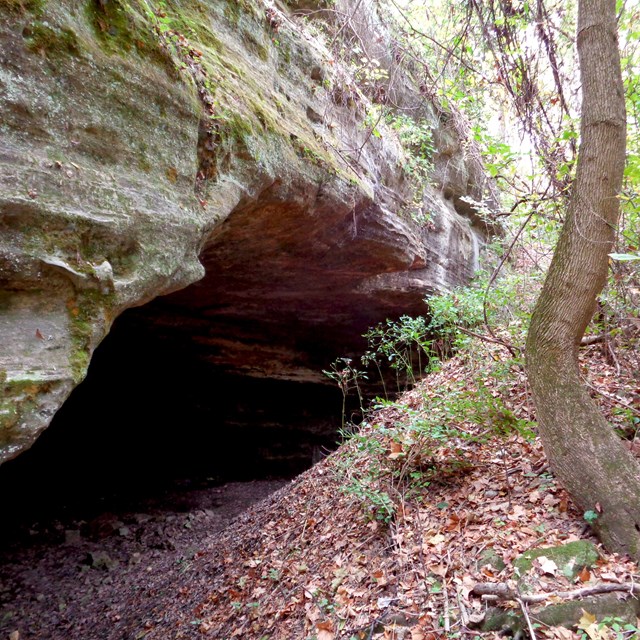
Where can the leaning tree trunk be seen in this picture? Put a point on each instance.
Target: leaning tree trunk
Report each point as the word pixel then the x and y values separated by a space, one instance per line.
pixel 583 450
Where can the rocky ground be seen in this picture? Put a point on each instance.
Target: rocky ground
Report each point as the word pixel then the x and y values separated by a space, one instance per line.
pixel 73 578
pixel 372 543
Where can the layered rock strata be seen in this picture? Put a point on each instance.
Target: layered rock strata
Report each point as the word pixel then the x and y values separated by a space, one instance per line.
pixel 211 156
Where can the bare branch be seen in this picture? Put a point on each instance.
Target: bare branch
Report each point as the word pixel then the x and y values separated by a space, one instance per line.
pixel 502 591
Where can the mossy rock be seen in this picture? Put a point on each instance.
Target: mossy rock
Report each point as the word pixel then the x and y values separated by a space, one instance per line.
pixel 570 558
pixel 43 39
pixel 489 558
pixel 564 614
pixel 22 6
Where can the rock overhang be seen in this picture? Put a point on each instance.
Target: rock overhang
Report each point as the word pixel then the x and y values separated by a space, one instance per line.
pixel 223 179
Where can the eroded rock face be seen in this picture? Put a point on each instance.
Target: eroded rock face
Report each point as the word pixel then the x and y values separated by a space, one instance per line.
pixel 210 150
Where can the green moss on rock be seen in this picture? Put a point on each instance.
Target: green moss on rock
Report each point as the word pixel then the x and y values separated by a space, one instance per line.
pixel 52 42
pixel 489 558
pixel 123 27
pixel 114 24
pixel 86 311
pixel 19 397
pixel 23 6
pixel 563 614
pixel 570 558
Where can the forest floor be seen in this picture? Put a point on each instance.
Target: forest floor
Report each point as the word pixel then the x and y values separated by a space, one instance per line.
pixel 385 538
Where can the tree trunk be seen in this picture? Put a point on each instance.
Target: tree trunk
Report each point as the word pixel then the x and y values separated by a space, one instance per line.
pixel 583 450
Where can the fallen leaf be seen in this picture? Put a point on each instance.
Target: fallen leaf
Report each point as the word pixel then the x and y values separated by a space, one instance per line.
pixel 396 447
pixel 586 619
pixel 519 511
pixel 589 625
pixel 584 575
pixel 547 566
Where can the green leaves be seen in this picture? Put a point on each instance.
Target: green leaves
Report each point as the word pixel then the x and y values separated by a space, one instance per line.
pixel 624 257
pixel 590 516
pixel 400 344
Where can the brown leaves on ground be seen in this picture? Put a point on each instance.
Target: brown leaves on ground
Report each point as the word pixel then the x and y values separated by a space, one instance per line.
pixel 312 563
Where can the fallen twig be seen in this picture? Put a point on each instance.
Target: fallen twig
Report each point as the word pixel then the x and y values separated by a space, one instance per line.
pixel 525 613
pixel 464 616
pixel 447 623
pixel 502 591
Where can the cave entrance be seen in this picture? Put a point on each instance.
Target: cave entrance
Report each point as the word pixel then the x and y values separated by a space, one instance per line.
pixel 222 380
pixel 153 411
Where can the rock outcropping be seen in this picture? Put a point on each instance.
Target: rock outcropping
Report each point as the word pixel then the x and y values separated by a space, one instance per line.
pixel 213 150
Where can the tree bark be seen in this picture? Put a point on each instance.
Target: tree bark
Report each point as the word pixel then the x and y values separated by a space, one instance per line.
pixel 583 450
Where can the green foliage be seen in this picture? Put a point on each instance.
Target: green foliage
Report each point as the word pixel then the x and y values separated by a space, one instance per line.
pixel 590 516
pixel 611 627
pixel 385 465
pixel 417 138
pixel 453 311
pixel 368 71
pixel 624 257
pixel 499 157
pixel 410 346
pixel 504 302
pixel 400 344
pixel 348 379
pixel 372 119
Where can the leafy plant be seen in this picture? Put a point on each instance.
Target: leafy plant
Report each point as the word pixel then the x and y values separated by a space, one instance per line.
pixel 590 516
pixel 384 465
pixel 348 379
pixel 612 628
pixel 402 344
pixel 417 138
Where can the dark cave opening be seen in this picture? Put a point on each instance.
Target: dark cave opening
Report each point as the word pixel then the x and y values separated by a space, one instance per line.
pixel 153 413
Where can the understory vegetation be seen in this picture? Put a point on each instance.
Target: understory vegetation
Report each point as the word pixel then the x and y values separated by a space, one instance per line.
pixel 512 65
pixel 467 419
pixel 418 527
pixel 486 56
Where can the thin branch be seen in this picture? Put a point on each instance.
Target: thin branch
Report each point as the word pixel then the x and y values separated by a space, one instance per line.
pixel 345 23
pixel 492 340
pixel 525 613
pixel 502 591
pixel 610 397
pixel 494 275
pixel 451 53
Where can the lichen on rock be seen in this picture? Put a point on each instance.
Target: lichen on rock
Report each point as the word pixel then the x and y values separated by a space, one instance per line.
pixel 146 145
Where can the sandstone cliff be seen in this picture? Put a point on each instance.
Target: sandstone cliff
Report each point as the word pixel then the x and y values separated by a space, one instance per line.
pixel 148 145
